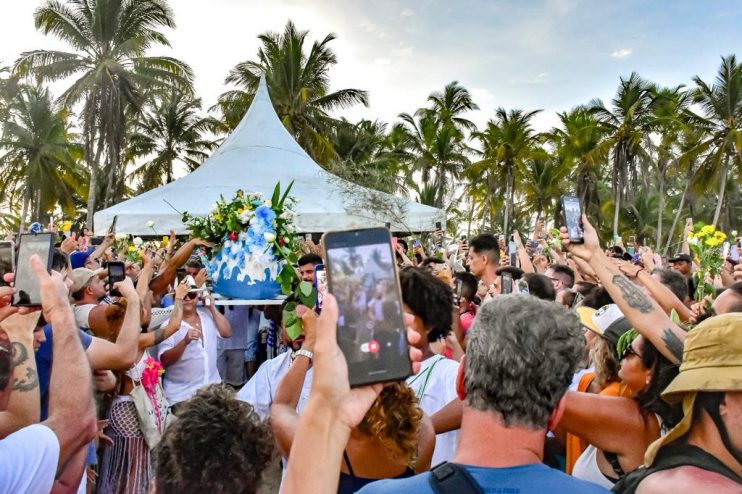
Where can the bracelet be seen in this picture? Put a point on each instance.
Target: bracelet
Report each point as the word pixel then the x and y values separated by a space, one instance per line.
pixel 304 353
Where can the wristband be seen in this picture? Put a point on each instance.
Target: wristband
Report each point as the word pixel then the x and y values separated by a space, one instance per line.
pixel 304 353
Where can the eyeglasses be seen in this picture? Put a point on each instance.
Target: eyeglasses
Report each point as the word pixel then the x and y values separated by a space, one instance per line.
pixel 629 350
pixel 192 295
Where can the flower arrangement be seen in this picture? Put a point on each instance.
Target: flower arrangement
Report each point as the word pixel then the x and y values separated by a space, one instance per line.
pixel 254 230
pixel 151 374
pixel 705 242
pixel 132 248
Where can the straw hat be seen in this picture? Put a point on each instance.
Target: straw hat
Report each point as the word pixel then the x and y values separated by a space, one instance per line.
pixel 712 361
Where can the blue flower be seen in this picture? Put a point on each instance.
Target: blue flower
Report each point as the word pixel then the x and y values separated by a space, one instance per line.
pixel 265 215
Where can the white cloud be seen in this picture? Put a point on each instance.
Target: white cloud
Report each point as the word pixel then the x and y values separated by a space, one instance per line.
pixel 622 53
pixel 406 12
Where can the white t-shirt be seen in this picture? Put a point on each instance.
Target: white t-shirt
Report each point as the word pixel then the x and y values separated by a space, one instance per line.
pixel 82 312
pixel 435 387
pixel 28 460
pixel 261 388
pixel 197 366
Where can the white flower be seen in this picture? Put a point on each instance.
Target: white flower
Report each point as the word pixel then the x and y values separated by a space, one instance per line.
pixel 121 236
pixel 269 237
pixel 245 216
pixel 693 241
pixel 267 202
pixel 150 224
pixel 214 208
pixel 138 241
pixel 227 244
pixel 289 228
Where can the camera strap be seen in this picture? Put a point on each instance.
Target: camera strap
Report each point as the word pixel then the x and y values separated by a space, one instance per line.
pixel 452 478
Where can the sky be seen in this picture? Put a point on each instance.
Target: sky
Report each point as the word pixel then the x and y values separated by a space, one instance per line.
pixel 527 54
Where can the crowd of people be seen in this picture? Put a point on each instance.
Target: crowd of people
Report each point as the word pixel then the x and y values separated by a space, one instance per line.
pixel 539 365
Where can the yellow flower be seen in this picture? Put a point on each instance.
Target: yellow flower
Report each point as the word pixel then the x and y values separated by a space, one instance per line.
pixel 690 235
pixel 132 248
pixel 713 242
pixel 66 226
pixel 240 210
pixel 700 234
pixel 708 229
pixel 165 241
pixel 719 235
pixel 218 217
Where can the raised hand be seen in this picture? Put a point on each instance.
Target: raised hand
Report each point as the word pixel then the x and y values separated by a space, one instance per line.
pixel 126 288
pixel 590 245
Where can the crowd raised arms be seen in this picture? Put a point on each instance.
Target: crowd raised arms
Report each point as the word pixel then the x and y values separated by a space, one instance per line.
pixel 537 364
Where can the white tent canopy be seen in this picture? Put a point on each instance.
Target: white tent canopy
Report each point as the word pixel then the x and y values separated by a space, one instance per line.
pixel 258 154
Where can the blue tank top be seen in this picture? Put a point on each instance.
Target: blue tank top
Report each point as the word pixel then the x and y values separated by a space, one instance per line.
pixel 349 483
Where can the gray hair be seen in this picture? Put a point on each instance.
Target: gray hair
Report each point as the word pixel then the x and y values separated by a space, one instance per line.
pixel 520 359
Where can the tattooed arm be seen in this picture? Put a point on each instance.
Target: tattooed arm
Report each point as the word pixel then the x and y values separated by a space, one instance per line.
pixel 24 405
pixel 642 312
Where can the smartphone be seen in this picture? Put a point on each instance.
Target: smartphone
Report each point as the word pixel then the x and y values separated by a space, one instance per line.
pixel 388 225
pixel 437 225
pixel 308 237
pixel 116 273
pixel 458 286
pixel 573 218
pixel 27 290
pixel 463 238
pixel 522 286
pixel 513 252
pixel 362 275
pixel 577 300
pixel 112 228
pixel 7 259
pixel 507 283
pixel 320 284
pixel 416 243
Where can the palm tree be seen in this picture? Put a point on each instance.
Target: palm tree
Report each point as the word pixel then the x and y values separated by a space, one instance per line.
pixel 627 125
pixel 507 142
pixel 299 86
pixel 39 163
pixel 110 39
pixel 438 150
pixel 543 182
pixel 448 105
pixel 577 146
pixel 169 131
pixel 722 114
pixel 669 119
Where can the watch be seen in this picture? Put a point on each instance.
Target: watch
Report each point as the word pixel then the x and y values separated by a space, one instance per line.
pixel 305 353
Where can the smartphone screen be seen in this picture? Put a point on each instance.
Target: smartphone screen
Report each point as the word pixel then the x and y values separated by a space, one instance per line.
pixel 523 286
pixel 27 292
pixel 573 218
pixel 507 283
pixel 116 273
pixel 7 259
pixel 362 275
pixel 320 284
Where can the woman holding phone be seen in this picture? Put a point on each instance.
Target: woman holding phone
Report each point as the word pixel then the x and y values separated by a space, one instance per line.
pixel 394 440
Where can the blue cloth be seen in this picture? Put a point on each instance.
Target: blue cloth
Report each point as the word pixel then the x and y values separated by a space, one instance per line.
pixel 78 258
pixel 44 365
pixel 527 479
pixel 44 370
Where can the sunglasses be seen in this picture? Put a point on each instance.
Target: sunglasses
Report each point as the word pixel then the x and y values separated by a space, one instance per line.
pixel 629 350
pixel 192 295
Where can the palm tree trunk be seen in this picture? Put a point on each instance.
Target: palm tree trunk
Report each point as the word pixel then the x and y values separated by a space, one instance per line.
pixel 24 210
pixel 722 188
pixel 661 209
pixel 677 215
pixel 617 207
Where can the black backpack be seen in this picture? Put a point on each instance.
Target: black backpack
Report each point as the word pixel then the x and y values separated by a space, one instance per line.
pixel 452 478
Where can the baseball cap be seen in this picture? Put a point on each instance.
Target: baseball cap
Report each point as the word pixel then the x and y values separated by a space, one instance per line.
pixel 611 323
pixel 81 277
pixel 78 258
pixel 586 318
pixel 681 256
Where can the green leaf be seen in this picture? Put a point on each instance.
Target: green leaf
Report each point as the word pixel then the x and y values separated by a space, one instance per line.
pixel 307 295
pixel 276 195
pixel 294 330
pixel 285 194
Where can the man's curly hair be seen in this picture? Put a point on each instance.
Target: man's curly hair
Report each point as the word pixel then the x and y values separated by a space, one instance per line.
pixel 394 419
pixel 218 445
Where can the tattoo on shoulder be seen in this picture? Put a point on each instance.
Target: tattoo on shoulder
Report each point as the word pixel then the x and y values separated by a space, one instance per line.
pixel 633 294
pixel 20 353
pixel 159 335
pixel 673 343
pixel 30 382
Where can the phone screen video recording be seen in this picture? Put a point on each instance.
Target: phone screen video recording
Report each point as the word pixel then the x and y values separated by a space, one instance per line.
pixel 116 273
pixel 573 218
pixel 362 276
pixel 320 284
pixel 27 290
pixel 507 283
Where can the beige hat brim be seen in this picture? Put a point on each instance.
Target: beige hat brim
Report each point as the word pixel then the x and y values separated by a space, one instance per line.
pixel 677 432
pixel 703 379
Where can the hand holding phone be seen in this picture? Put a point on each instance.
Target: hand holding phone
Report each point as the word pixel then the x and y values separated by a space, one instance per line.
pixel 506 286
pixel 27 288
pixel 116 273
pixel 572 213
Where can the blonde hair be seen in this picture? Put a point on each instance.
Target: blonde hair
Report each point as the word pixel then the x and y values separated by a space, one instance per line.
pixel 394 419
pixel 605 362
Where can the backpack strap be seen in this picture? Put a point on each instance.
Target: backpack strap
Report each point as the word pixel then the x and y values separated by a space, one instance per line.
pixel 451 478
